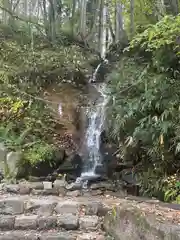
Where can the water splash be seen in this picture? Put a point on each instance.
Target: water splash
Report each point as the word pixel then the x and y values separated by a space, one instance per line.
pixel 94 76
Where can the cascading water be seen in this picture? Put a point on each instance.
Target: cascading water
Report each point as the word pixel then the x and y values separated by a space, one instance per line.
pixel 96 116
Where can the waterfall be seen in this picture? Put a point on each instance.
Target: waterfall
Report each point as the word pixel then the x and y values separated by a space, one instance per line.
pixel 96 116
pixel 93 79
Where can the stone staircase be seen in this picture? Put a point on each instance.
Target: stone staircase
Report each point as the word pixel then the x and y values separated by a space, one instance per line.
pixel 28 211
pixel 46 211
pixel 46 218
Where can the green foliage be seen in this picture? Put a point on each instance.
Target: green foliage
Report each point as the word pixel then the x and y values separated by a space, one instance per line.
pixel 27 66
pixel 39 152
pixel 27 125
pixel 160 43
pixel 144 105
pixel 37 63
pixel 21 65
pixel 171 187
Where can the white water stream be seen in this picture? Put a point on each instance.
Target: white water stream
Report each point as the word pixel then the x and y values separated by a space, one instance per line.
pixel 96 116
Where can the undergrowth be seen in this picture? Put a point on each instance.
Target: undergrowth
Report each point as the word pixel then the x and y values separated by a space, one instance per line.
pixel 26 69
pixel 143 109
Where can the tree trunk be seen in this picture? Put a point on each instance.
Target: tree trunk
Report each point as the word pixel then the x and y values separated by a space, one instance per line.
pixel 132 18
pixel 83 18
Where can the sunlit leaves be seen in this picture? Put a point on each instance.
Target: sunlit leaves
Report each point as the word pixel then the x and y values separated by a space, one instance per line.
pixel 160 40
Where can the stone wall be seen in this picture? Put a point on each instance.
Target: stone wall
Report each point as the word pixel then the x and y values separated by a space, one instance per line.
pixel 132 221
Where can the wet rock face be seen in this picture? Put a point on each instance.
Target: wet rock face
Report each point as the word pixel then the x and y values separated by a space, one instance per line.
pixel 72 167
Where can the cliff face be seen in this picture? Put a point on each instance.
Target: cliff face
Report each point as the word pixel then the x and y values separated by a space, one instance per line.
pixel 66 103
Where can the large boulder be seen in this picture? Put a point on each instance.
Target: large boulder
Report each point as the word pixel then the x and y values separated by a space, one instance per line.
pixel 3 153
pixel 13 160
pixel 141 221
pixel 72 166
pixel 9 162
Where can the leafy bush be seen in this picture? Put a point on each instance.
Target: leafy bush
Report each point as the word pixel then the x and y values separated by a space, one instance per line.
pixel 159 43
pixel 171 187
pixel 27 125
pixel 143 108
pixel 26 68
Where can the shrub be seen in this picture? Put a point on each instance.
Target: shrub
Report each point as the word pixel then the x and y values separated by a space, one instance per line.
pixel 143 108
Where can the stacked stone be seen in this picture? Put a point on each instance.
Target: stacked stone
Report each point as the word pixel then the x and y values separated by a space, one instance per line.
pixel 49 218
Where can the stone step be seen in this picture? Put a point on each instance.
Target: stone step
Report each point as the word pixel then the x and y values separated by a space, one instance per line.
pixel 58 188
pixel 11 205
pixel 51 235
pixel 64 221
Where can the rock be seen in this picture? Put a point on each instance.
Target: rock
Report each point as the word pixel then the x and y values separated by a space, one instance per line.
pixel 133 190
pixel 102 237
pixel 3 153
pixel 45 192
pixel 89 222
pixel 11 188
pixel 47 222
pixel 7 222
pixel 91 208
pixel 36 185
pixel 60 185
pixel 90 236
pixel 13 159
pixel 26 222
pixel 75 193
pixel 100 170
pixel 19 235
pixel 11 206
pixel 130 221
pixel 67 207
pixel 57 236
pixel 96 192
pixel 68 221
pixel 109 160
pixel 128 177
pixel 103 210
pixel 47 185
pixel 36 179
pixel 40 207
pixel 24 188
pixel 74 186
pixel 72 165
pixel 103 186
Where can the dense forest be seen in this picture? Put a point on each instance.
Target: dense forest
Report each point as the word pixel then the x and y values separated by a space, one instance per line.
pixel 47 41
